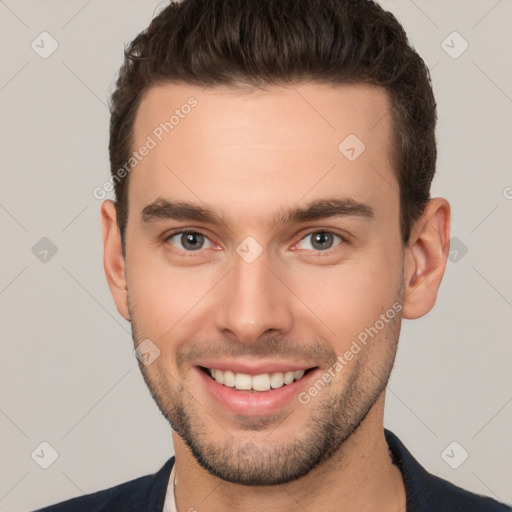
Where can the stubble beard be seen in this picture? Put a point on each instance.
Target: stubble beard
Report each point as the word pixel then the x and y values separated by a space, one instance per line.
pixel 333 418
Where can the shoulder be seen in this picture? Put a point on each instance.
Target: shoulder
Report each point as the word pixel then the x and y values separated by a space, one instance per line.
pixel 429 493
pixel 143 493
pixel 445 496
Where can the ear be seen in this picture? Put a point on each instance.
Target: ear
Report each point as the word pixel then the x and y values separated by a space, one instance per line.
pixel 425 259
pixel 113 259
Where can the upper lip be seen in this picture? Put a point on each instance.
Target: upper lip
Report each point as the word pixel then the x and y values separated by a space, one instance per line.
pixel 254 368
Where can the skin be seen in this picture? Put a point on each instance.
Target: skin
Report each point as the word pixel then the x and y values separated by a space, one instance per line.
pixel 248 156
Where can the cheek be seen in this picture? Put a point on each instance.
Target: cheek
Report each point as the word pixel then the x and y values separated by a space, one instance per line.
pixel 350 297
pixel 164 298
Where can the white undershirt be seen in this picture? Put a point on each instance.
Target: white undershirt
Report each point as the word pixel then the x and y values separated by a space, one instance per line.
pixel 170 502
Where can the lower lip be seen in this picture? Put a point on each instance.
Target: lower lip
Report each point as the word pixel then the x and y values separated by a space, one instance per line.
pixel 255 403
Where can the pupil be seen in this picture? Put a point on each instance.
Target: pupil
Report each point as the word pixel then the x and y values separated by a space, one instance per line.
pixel 190 240
pixel 320 238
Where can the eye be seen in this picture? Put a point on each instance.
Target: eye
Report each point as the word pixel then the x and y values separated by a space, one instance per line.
pixel 321 240
pixel 190 241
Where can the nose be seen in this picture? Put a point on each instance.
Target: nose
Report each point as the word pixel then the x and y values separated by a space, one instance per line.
pixel 253 302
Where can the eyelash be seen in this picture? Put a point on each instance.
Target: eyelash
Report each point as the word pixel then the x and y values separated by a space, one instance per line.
pixel 343 241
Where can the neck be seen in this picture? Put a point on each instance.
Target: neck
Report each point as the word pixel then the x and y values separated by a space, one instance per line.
pixel 360 476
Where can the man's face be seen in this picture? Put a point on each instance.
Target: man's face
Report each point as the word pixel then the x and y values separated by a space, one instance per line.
pixel 257 295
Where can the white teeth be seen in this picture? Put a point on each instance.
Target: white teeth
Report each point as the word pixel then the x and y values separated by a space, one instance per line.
pixel 299 374
pixel 243 381
pixel 229 378
pixel 276 380
pixel 219 376
pixel 288 377
pixel 261 382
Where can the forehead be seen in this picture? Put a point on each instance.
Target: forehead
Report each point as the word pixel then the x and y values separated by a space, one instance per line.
pixel 308 111
pixel 253 150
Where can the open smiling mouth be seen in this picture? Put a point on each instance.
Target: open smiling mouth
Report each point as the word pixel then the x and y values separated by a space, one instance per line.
pixel 257 383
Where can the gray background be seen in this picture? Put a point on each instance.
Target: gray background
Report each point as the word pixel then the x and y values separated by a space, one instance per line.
pixel 68 374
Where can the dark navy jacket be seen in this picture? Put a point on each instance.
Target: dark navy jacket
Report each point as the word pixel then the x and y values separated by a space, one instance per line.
pixel 425 492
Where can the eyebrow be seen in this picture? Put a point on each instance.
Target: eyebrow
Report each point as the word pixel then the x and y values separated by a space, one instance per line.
pixel 163 209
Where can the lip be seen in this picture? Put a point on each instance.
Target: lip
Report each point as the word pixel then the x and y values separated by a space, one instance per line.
pixel 255 403
pixel 254 368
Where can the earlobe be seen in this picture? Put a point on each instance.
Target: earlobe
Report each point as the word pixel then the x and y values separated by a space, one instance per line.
pixel 425 259
pixel 113 258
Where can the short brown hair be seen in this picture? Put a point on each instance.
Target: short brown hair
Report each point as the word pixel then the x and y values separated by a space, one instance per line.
pixel 260 43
